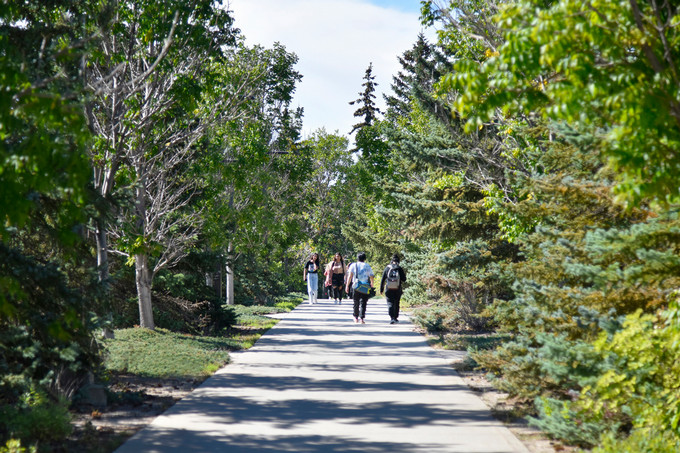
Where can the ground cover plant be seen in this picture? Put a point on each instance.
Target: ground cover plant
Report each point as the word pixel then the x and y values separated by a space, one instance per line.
pixel 164 354
pixel 161 353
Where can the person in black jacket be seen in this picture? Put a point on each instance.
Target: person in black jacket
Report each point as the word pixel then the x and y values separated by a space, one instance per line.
pixel 311 276
pixel 391 286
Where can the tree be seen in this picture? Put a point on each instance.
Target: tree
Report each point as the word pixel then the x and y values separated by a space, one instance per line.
pixel 149 120
pixel 41 99
pixel 366 104
pixel 608 64
pixel 422 66
pixel 46 326
pixel 437 190
pixel 368 139
pixel 576 78
pixel 255 165
pixel 327 191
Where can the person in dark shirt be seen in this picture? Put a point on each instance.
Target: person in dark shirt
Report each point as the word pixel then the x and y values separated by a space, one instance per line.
pixel 311 276
pixel 391 285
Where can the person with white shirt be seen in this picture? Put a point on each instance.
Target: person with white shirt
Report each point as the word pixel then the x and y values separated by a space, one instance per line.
pixel 360 276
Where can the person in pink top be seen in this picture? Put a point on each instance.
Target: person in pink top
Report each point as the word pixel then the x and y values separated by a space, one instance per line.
pixel 335 277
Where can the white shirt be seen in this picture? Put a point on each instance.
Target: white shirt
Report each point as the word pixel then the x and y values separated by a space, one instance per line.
pixel 363 272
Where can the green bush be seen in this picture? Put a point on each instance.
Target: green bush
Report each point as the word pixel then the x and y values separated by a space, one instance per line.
pixel 652 439
pixel 14 446
pixel 47 342
pixel 435 318
pixel 36 418
pixel 560 421
pixel 474 341
pixel 639 383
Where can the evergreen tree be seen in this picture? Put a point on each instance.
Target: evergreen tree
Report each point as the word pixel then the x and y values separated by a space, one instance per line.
pixel 593 272
pixel 438 199
pixel 367 110
pixel 422 66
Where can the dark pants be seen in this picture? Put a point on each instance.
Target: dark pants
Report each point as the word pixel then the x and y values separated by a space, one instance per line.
pixel 393 299
pixel 338 281
pixel 337 292
pixel 360 301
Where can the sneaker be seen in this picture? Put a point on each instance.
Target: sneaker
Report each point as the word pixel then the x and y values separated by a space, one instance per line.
pixel 396 321
pixel 362 321
pixel 393 321
pixel 356 320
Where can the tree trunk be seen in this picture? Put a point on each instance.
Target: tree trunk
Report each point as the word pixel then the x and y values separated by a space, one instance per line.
pixel 102 251
pixel 143 278
pixel 143 273
pixel 103 270
pixel 230 276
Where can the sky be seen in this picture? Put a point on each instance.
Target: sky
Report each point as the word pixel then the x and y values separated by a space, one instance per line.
pixel 335 40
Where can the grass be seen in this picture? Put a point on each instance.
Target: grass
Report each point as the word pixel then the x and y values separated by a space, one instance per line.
pixel 161 353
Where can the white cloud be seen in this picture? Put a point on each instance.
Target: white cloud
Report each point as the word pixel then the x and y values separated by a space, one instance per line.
pixel 335 41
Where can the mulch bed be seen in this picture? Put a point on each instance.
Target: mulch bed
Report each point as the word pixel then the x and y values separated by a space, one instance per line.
pixel 134 402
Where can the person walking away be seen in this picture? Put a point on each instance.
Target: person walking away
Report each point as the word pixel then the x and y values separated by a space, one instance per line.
pixel 391 286
pixel 311 276
pixel 337 271
pixel 360 277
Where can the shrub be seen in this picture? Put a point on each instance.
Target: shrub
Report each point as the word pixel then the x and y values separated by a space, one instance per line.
pixel 435 318
pixel 559 420
pixel 652 439
pixel 639 383
pixel 14 446
pixel 36 418
pixel 47 341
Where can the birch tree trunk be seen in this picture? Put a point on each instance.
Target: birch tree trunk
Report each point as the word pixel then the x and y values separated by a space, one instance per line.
pixel 143 279
pixel 102 251
pixel 143 274
pixel 230 276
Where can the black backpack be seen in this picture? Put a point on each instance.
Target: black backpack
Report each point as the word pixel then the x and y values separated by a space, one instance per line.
pixel 393 278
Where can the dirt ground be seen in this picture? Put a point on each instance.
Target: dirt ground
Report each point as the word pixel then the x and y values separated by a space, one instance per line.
pixel 135 403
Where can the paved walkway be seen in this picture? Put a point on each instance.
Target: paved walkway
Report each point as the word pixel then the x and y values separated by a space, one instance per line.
pixel 317 382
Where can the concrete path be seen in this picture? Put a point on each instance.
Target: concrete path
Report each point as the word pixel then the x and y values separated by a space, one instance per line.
pixel 317 382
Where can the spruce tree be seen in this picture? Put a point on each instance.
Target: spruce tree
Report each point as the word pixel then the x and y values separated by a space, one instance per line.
pixel 367 110
pixel 422 66
pixel 437 195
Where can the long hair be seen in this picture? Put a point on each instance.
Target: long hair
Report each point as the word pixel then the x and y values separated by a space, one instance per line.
pixel 342 261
